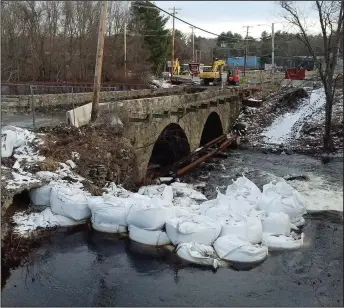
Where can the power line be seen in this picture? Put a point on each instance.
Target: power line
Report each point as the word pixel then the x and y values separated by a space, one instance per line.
pixel 195 27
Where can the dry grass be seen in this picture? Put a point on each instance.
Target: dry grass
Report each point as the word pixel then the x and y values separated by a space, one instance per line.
pixel 104 155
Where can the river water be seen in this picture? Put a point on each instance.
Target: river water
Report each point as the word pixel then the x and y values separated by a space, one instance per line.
pixel 80 267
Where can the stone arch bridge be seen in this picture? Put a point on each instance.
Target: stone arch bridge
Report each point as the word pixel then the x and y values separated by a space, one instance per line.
pixel 164 129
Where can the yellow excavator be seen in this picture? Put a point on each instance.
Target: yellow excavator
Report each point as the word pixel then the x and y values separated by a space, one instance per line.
pixel 176 67
pixel 212 73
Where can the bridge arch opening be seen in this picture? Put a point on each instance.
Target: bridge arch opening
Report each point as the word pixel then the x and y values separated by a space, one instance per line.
pixel 171 145
pixel 212 128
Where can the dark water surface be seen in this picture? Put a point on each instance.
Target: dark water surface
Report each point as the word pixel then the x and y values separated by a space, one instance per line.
pixel 94 269
pixel 79 267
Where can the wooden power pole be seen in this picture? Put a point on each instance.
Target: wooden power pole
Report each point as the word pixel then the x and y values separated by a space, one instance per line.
pixel 245 59
pixel 125 50
pixel 99 60
pixel 173 38
pixel 193 44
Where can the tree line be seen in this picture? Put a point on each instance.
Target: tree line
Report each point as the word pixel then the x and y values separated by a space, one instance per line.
pixel 57 41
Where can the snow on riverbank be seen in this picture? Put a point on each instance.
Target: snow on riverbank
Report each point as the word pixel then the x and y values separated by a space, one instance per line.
pixel 320 196
pixel 283 128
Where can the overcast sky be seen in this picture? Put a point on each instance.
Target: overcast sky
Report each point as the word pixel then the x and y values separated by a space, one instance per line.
pixel 219 16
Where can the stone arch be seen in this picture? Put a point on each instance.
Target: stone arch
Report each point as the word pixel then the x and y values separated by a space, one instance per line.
pixel 212 128
pixel 171 145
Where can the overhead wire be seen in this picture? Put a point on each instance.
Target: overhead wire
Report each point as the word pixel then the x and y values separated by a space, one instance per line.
pixel 195 27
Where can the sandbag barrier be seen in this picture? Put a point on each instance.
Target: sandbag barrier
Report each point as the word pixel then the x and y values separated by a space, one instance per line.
pixel 240 226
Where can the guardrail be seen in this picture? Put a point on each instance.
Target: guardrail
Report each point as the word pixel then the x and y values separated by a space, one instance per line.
pixel 58 88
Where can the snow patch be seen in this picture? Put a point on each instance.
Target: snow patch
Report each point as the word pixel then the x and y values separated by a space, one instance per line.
pixel 281 130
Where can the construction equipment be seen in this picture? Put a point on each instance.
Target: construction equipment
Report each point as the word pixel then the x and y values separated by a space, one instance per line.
pixel 194 69
pixel 233 77
pixel 185 69
pixel 295 74
pixel 212 73
pixel 176 67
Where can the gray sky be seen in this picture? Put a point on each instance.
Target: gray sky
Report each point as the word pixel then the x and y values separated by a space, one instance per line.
pixel 219 16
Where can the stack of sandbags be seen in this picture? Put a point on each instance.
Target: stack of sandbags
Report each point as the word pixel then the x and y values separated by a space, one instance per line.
pixel 147 220
pixel 237 217
pixel 282 197
pixel 193 228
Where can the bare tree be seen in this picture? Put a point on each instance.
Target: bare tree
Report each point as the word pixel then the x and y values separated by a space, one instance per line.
pixel 330 15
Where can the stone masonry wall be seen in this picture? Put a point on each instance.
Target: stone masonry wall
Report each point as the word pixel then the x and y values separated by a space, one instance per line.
pixel 23 102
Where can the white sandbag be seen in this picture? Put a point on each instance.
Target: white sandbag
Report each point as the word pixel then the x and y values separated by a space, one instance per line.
pixel 184 190
pixel 132 200
pixel 236 204
pixel 109 213
pixel 162 192
pixel 150 216
pixel 282 197
pixel 205 206
pixel 8 139
pixel 246 189
pixel 41 195
pixel 151 238
pixel 276 223
pixel 94 201
pixel 69 202
pixel 194 228
pixel 183 211
pixel 198 254
pixel 21 134
pixel 298 221
pixel 184 202
pixel 235 249
pixel 282 242
pixel 254 230
pixel 117 190
pixel 249 229
pixel 108 228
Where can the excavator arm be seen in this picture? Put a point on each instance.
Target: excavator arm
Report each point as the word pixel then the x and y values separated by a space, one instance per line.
pixel 218 64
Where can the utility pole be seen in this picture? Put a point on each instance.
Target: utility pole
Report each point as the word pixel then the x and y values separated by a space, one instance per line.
pixel 245 59
pixel 125 50
pixel 173 37
pixel 99 61
pixel 193 44
pixel 199 55
pixel 273 52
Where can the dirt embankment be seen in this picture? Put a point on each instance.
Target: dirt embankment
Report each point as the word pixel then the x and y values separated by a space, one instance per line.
pixel 100 154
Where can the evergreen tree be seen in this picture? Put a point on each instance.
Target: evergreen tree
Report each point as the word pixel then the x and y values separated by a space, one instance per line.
pixel 147 20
